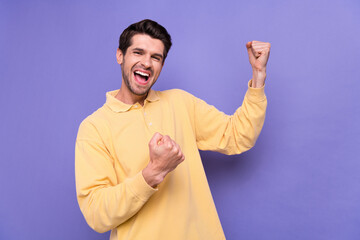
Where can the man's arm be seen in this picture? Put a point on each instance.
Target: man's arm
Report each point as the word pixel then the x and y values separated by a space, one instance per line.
pixel 216 131
pixel 104 202
pixel 234 134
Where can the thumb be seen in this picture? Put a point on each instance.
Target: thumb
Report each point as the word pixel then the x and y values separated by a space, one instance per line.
pixel 248 45
pixel 156 138
pixel 250 51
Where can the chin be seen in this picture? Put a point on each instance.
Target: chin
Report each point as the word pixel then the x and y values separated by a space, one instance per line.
pixel 140 92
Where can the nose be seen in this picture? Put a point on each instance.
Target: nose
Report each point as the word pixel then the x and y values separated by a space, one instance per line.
pixel 146 61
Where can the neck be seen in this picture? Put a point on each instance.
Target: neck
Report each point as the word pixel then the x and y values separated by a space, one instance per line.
pixel 129 98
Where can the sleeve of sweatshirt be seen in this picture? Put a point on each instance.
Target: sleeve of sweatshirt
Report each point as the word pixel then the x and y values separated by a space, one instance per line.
pixel 104 202
pixel 233 134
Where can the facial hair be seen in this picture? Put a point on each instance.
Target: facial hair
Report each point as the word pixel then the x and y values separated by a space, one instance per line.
pixel 128 85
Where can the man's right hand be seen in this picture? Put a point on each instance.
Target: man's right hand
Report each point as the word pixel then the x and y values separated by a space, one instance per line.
pixel 165 156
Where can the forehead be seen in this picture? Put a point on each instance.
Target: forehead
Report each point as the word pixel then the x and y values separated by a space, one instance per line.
pixel 147 43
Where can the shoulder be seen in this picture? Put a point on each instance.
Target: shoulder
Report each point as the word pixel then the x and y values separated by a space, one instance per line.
pixel 175 94
pixel 97 116
pixel 93 124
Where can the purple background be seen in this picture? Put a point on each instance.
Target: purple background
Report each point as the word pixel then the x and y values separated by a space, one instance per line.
pixel 301 180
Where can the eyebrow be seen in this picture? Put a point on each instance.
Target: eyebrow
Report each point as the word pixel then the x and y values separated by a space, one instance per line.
pixel 138 49
pixel 142 50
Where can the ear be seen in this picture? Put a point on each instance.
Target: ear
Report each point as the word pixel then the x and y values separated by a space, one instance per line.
pixel 119 56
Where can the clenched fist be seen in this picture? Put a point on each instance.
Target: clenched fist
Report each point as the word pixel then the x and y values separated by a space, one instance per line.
pixel 258 57
pixel 165 156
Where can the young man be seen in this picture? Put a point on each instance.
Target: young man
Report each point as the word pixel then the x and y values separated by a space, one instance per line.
pixel 138 169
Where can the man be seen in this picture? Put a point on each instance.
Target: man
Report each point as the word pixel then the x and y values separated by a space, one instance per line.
pixel 138 169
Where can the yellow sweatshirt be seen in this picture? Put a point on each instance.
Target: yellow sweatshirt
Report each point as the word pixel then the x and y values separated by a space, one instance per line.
pixel 112 150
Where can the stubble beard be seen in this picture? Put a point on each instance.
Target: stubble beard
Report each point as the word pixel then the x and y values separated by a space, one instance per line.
pixel 131 89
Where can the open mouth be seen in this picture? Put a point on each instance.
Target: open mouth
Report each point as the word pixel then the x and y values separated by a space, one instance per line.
pixel 141 77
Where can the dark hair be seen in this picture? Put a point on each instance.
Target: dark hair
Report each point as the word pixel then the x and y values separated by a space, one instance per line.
pixel 149 27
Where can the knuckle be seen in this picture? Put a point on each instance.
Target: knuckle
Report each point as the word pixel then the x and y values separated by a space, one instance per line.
pixel 174 151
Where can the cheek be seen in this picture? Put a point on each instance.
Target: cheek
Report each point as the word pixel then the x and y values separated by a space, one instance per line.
pixel 158 69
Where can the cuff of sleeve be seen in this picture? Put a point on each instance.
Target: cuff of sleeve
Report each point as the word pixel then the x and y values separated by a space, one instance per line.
pixel 255 94
pixel 140 187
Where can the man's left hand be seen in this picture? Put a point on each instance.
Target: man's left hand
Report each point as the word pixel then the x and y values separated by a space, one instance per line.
pixel 258 57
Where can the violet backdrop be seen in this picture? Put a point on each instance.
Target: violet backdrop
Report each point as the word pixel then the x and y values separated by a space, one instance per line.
pixel 300 181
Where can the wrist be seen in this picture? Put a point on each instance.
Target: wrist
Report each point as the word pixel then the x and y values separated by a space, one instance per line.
pixel 258 78
pixel 152 177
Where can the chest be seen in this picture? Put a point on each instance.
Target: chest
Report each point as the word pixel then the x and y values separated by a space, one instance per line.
pixel 131 132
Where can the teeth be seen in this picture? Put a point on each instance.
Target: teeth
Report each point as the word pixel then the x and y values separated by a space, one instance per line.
pixel 142 74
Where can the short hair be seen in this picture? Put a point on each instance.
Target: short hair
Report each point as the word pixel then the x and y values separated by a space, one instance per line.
pixel 149 27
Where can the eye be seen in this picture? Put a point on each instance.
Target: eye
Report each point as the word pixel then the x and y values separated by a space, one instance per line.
pixel 156 58
pixel 138 52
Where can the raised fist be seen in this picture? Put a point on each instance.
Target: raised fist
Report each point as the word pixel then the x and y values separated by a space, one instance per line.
pixel 258 54
pixel 165 156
